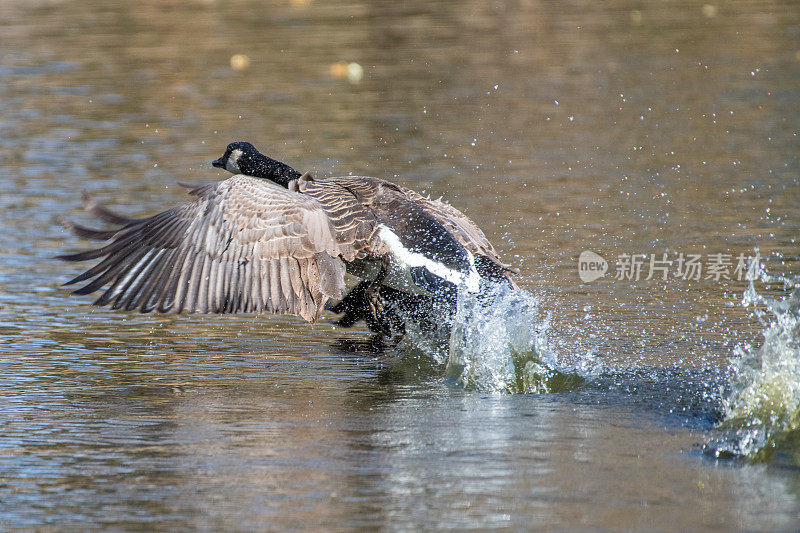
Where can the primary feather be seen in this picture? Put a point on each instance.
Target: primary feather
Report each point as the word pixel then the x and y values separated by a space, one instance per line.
pixel 244 245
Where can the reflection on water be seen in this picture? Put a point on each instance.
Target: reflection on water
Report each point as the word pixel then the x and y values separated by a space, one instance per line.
pixel 616 127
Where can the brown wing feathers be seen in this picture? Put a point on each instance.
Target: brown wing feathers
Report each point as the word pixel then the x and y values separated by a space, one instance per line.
pixel 244 245
pixel 353 222
pixel 364 191
pixel 461 226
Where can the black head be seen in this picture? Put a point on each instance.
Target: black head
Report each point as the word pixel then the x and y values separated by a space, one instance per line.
pixel 239 158
pixel 243 158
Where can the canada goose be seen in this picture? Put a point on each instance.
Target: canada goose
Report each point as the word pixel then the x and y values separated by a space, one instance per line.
pixel 426 239
pixel 272 240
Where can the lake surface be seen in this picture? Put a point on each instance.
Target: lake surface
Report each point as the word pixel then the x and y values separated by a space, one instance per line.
pixel 620 128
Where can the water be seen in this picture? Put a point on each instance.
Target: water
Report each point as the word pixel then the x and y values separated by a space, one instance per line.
pixel 499 343
pixel 762 408
pixel 615 127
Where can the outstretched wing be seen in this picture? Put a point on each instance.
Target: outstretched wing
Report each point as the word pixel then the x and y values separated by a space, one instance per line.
pixel 244 245
pixel 461 226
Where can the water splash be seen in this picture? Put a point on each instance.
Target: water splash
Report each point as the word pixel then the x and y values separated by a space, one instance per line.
pixel 762 408
pixel 498 342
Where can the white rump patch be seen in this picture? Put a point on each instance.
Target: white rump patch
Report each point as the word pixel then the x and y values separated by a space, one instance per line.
pixel 405 259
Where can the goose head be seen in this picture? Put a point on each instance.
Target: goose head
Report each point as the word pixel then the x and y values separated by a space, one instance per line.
pixel 239 158
pixel 243 158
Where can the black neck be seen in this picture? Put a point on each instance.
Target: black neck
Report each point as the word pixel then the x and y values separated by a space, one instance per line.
pixel 268 168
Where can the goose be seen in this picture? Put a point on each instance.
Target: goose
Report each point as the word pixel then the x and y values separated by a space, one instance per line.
pixel 272 240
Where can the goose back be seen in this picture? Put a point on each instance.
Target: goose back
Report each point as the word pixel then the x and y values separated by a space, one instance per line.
pixel 375 202
pixel 432 227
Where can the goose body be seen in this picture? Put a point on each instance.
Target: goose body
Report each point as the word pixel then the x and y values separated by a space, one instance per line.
pixel 416 251
pixel 269 239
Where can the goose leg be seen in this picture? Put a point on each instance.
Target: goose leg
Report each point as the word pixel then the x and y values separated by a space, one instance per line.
pixel 360 304
pixel 353 305
pixel 373 303
pixel 381 319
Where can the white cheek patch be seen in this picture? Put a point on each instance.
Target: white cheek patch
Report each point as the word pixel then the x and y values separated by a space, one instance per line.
pixel 407 259
pixel 232 164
